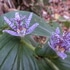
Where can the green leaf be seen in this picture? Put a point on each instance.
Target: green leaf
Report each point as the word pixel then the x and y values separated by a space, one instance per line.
pixel 2 24
pixel 62 64
pixel 15 55
pixel 44 51
pixel 54 25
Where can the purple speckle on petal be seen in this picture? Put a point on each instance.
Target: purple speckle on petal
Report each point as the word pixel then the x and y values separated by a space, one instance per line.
pixel 32 28
pixel 28 20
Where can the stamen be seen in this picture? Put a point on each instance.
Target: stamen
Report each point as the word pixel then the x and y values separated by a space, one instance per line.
pixel 18 31
pixel 60 49
pixel 24 29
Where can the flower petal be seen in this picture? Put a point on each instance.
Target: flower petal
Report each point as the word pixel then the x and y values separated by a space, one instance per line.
pixel 11 32
pixel 9 22
pixel 57 30
pixel 22 33
pixel 61 54
pixel 31 29
pixel 51 45
pixel 17 17
pixel 28 20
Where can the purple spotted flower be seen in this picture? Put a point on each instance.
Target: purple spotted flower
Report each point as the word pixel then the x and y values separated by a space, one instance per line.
pixel 19 28
pixel 60 43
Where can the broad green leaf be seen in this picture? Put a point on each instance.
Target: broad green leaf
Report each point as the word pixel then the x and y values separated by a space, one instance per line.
pixel 2 24
pixel 54 25
pixel 62 64
pixel 15 55
pixel 44 51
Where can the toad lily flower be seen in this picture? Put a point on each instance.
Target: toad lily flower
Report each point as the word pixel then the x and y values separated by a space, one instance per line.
pixel 60 43
pixel 18 27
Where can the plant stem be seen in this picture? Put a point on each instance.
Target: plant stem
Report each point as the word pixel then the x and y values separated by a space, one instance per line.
pixel 51 64
pixel 28 45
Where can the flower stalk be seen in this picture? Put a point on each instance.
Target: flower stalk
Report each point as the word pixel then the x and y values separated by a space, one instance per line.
pixel 28 45
pixel 51 64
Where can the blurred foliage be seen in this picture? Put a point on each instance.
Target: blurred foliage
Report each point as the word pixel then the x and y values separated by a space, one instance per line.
pixel 67 24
